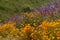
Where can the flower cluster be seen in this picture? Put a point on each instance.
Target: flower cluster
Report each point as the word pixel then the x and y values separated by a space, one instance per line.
pixel 45 31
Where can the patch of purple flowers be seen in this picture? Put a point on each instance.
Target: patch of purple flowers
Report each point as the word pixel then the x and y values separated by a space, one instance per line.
pixel 49 9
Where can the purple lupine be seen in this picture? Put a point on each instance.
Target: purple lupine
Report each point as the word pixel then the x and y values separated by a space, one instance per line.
pixel 44 11
pixel 48 5
pixel 15 18
pixel 53 9
pixel 47 11
pixel 56 4
pixel 40 9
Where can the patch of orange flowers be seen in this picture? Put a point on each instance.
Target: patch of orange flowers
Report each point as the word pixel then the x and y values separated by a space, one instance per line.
pixel 29 31
pixel 46 24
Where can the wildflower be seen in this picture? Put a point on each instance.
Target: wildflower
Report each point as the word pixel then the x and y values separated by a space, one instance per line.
pixel 58 37
pixel 35 31
pixel 3 27
pixel 32 34
pixel 34 24
pixel 22 24
pixel 15 18
pixel 54 24
pixel 34 20
pixel 39 9
pixel 56 4
pixel 16 36
pixel 58 34
pixel 53 37
pixel 21 33
pixel 44 24
pixel 27 27
pixel 58 20
pixel 1 37
pixel 7 25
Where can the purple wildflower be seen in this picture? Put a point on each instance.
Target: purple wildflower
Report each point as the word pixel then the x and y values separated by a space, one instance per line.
pixel 15 18
pixel 39 9
pixel 56 4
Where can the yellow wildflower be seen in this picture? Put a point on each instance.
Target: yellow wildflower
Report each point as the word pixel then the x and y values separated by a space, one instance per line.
pixel 44 24
pixel 27 27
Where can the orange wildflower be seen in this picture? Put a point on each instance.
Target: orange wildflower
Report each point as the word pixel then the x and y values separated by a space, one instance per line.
pixel 44 24
pixel 58 34
pixel 27 27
